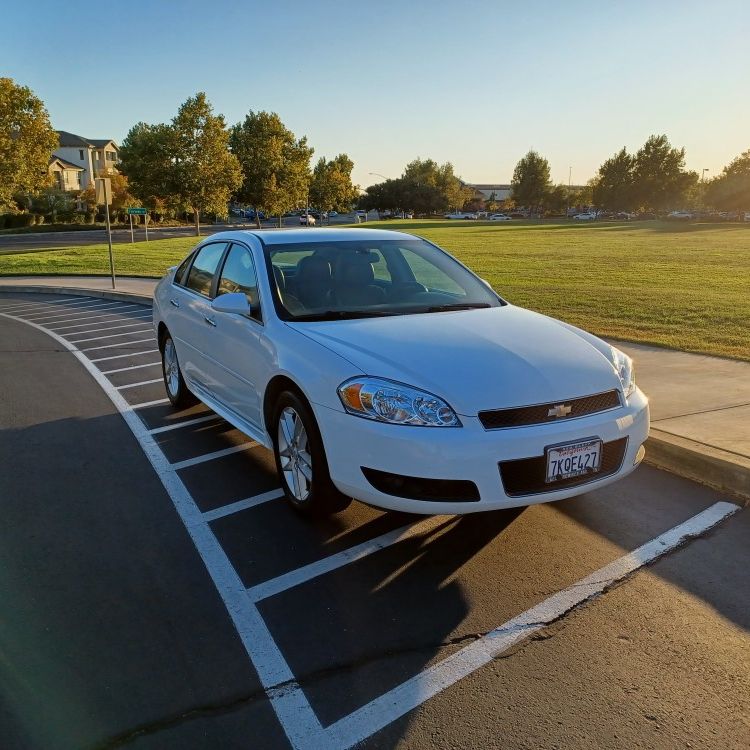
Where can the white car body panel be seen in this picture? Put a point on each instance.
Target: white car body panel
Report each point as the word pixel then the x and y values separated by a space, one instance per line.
pixel 473 359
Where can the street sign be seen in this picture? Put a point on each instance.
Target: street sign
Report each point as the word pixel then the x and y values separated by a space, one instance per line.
pixel 103 191
pixel 137 211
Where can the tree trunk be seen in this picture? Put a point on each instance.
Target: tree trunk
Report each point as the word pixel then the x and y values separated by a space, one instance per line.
pixel 196 216
pixel 279 219
pixel 257 218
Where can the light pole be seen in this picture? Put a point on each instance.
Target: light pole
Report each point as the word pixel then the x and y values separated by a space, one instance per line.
pixel 703 174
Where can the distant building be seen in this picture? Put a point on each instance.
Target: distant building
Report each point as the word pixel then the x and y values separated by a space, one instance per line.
pixel 91 156
pixel 502 192
pixel 66 176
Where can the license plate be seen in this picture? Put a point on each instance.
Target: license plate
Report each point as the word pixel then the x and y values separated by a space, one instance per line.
pixel 573 459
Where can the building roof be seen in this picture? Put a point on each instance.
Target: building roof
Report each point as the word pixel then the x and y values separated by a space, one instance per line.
pixel 101 142
pixel 64 163
pixel 71 139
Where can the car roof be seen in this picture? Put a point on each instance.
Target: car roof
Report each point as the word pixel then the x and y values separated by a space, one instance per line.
pixel 288 236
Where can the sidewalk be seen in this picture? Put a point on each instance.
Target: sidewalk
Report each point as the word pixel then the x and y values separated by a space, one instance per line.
pixel 700 405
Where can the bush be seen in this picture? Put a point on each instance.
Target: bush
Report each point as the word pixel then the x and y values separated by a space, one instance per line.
pixel 38 219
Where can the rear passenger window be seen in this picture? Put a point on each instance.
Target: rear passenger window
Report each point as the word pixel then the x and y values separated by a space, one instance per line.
pixel 204 267
pixel 179 274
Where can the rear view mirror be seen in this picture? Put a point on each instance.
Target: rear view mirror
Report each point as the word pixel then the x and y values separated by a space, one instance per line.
pixel 233 302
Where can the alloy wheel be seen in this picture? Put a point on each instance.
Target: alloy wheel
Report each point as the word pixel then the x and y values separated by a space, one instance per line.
pixel 294 454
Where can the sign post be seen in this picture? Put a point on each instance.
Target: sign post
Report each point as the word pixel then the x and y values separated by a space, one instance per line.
pixel 104 196
pixel 137 212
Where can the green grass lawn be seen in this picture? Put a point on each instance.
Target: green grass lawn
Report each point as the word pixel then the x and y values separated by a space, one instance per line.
pixel 681 286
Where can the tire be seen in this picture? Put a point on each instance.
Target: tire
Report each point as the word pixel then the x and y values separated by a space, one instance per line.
pixel 301 460
pixel 177 392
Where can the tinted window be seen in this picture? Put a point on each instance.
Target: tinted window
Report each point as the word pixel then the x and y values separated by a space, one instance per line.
pixel 204 267
pixel 238 275
pixel 330 280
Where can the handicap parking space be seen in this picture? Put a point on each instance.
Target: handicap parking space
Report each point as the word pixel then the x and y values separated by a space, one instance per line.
pixel 337 615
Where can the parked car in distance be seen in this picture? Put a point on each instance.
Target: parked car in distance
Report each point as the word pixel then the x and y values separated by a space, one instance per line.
pixel 307 220
pixel 588 216
pixel 499 217
pixel 679 215
pixel 376 366
pixel 461 215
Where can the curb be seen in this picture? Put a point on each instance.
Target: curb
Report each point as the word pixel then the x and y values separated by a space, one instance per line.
pixel 76 291
pixel 705 464
pixel 713 467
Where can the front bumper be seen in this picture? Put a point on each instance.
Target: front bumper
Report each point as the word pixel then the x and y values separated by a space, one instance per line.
pixel 467 453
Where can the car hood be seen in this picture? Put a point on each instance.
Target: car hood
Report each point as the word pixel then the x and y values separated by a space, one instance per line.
pixel 475 359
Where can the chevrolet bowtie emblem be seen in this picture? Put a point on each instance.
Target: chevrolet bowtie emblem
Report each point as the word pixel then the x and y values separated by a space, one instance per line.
pixel 561 410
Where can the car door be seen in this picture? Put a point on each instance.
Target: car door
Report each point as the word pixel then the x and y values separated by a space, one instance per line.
pixel 235 348
pixel 191 318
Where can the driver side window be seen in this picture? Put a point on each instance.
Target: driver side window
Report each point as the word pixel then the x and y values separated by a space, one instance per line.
pixel 238 275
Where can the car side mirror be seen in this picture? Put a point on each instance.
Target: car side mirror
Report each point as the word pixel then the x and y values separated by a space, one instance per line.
pixel 232 302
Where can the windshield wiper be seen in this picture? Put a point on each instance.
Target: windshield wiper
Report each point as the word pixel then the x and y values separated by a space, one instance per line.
pixel 457 306
pixel 343 315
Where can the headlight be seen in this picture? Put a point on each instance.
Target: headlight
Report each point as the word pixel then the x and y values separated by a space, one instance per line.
pixel 624 366
pixel 386 401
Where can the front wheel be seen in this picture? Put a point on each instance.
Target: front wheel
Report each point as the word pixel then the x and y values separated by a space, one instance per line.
pixel 177 391
pixel 301 459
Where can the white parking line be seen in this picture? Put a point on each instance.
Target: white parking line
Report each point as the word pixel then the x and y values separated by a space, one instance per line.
pixel 120 356
pixel 332 562
pixel 113 346
pixel 250 502
pixel 126 316
pixel 108 328
pixel 136 385
pixel 37 317
pixel 179 425
pixel 132 367
pixel 68 302
pixel 215 454
pixel 97 316
pixel 389 707
pixel 145 328
pixel 155 402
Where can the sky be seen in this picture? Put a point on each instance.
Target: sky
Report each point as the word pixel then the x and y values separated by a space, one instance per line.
pixel 477 83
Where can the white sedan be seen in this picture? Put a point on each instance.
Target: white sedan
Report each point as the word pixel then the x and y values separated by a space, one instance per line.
pixel 500 217
pixel 307 220
pixel 588 216
pixel 376 366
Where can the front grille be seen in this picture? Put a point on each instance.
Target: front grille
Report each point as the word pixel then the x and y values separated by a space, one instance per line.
pixel 417 488
pixel 526 476
pixel 539 413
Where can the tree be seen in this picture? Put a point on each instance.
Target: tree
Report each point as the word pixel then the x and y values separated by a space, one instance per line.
pixel 331 188
pixel 491 204
pixel 556 199
pixel 660 179
pixel 275 164
pixel 430 187
pixel 27 141
pixel 205 173
pixel 730 191
pixel 614 188
pixel 531 181
pixel 147 157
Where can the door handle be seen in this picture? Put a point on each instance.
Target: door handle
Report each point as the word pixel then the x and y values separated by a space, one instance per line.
pixel 174 303
pixel 210 321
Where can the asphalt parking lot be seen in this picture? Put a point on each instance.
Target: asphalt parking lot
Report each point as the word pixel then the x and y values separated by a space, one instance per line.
pixel 159 593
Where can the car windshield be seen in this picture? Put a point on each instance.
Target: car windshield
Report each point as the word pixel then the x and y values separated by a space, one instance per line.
pixel 356 279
